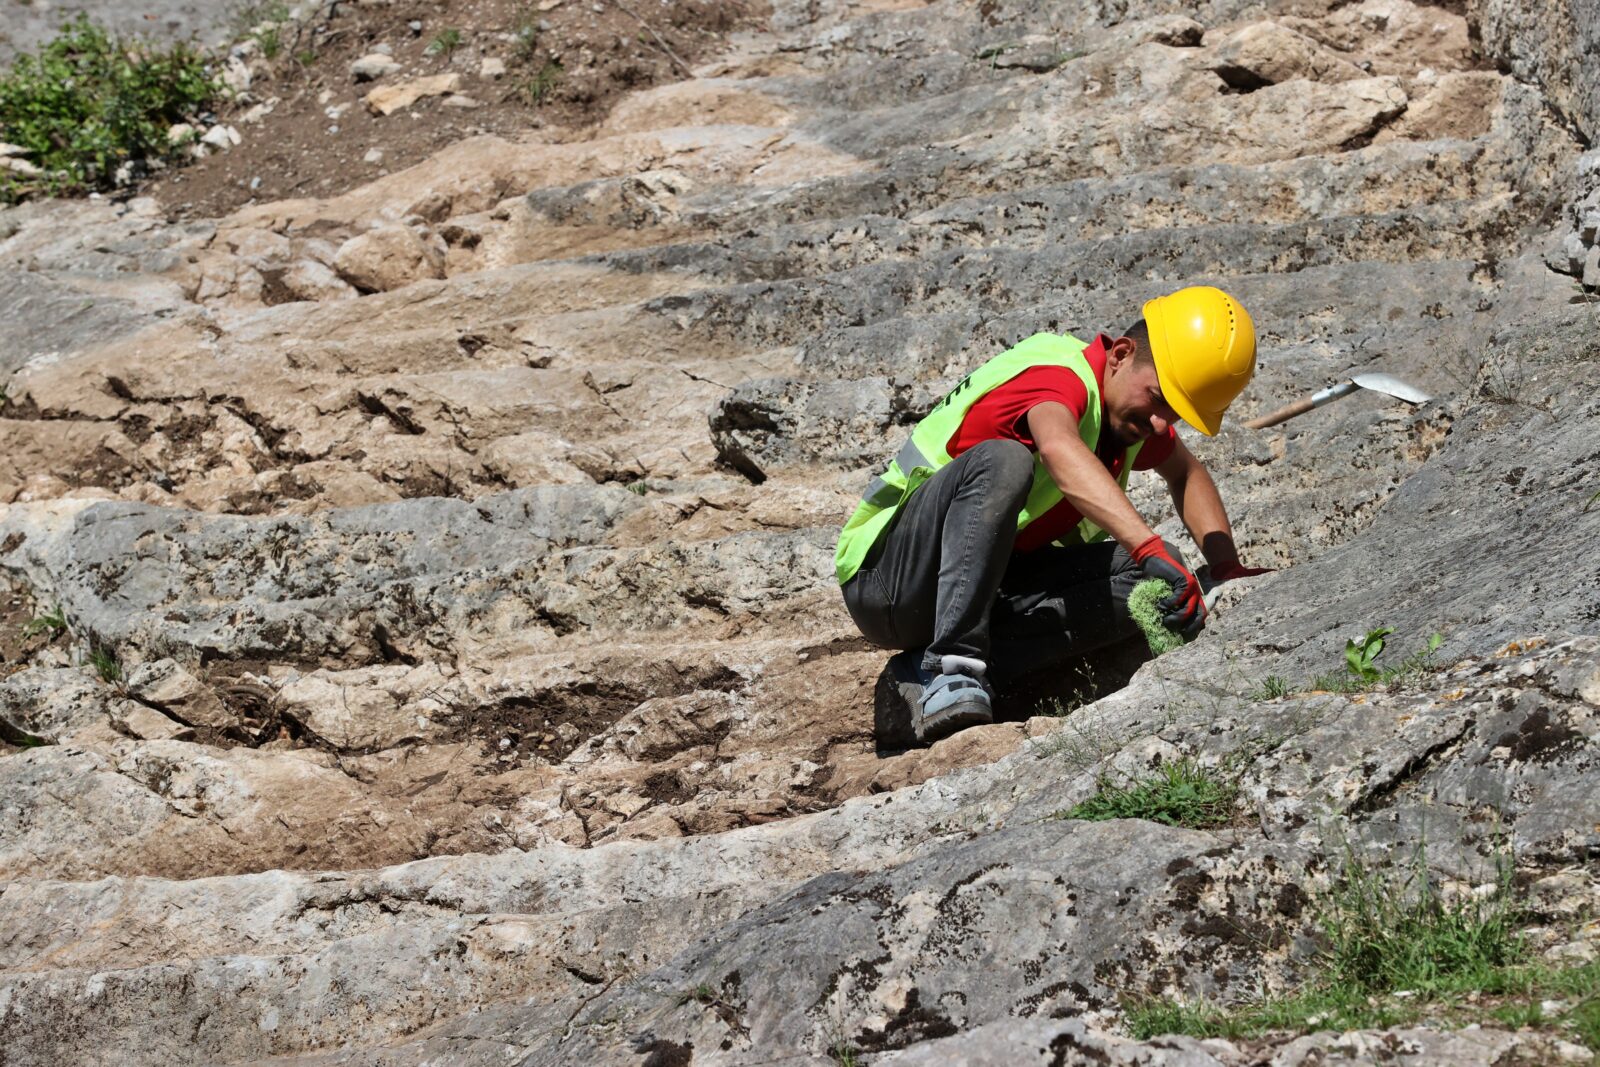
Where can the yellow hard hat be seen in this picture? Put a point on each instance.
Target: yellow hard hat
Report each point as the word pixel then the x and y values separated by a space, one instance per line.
pixel 1204 346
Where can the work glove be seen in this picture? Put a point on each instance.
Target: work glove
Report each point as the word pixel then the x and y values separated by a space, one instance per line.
pixel 1227 572
pixel 1184 610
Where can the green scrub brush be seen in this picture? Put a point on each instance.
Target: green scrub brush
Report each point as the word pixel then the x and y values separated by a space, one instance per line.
pixel 1142 606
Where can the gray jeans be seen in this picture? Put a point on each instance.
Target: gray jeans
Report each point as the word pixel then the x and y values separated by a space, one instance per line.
pixel 943 576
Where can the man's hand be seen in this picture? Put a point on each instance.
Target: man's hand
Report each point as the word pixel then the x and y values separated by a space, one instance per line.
pixel 1227 572
pixel 1184 610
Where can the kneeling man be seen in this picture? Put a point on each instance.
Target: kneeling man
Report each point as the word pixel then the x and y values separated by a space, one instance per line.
pixel 1002 535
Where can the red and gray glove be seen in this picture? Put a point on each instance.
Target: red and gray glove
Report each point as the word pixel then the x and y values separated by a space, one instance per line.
pixel 1184 610
pixel 1229 571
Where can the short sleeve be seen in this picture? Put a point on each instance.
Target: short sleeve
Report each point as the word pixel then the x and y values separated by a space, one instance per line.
pixel 1002 412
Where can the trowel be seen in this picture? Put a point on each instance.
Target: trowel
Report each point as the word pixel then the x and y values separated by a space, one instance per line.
pixel 1378 383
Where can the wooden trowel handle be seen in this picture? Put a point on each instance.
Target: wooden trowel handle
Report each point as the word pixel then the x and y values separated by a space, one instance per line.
pixel 1283 414
pixel 1303 405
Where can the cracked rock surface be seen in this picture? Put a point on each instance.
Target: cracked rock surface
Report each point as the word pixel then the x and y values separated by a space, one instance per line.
pixel 419 639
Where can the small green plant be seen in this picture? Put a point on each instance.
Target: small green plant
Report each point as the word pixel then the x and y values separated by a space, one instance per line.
pixel 639 488
pixel 1181 793
pixel 246 16
pixel 700 994
pixel 105 663
pixel 52 622
pixel 1359 657
pixel 87 102
pixel 270 38
pixel 842 1054
pixel 445 43
pixel 1055 708
pixel 1272 687
pixel 1361 672
pixel 526 32
pixel 1584 1018
pixel 537 89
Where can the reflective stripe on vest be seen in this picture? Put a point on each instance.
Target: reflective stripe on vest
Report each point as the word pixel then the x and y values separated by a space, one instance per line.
pixel 924 453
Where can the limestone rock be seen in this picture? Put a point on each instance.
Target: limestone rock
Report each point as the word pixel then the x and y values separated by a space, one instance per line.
pixel 165 685
pixel 52 704
pixel 221 138
pixel 1265 53
pixel 145 723
pixel 391 98
pixel 373 66
pixel 543 733
pixel 387 257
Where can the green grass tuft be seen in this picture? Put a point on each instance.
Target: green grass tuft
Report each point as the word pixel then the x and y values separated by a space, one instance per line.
pixel 1181 793
pixel 536 90
pixel 52 622
pixel 445 43
pixel 1142 605
pixel 1395 952
pixel 106 664
pixel 700 994
pixel 1272 687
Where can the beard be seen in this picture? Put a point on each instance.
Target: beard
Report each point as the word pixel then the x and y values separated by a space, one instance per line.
pixel 1119 437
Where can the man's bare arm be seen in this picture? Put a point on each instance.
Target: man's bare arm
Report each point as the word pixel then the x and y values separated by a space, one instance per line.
pixel 1198 503
pixel 1082 478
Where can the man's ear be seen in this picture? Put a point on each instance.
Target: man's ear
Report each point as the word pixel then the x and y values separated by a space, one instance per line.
pixel 1120 351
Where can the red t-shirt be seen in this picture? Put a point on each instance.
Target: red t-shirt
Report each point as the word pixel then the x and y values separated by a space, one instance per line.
pixel 1002 411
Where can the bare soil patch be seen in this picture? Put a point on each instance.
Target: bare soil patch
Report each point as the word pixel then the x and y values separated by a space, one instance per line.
pixel 566 62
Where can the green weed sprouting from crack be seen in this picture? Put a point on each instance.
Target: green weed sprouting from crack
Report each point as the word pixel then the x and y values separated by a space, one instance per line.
pixel 105 663
pixel 1361 672
pixel 52 622
pixel 1396 951
pixel 700 994
pixel 1272 687
pixel 1182 792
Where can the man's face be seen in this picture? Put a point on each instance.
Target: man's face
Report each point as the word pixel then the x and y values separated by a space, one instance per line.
pixel 1133 406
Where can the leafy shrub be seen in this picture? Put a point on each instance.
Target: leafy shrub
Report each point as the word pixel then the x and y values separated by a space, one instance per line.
pixel 88 102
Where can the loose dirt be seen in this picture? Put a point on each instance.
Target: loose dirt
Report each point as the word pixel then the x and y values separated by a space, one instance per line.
pixel 309 132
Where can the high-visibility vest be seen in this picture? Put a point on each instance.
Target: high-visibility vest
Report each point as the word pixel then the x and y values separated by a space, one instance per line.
pixel 925 453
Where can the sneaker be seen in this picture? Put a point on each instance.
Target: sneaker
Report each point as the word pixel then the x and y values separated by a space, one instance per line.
pixel 954 699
